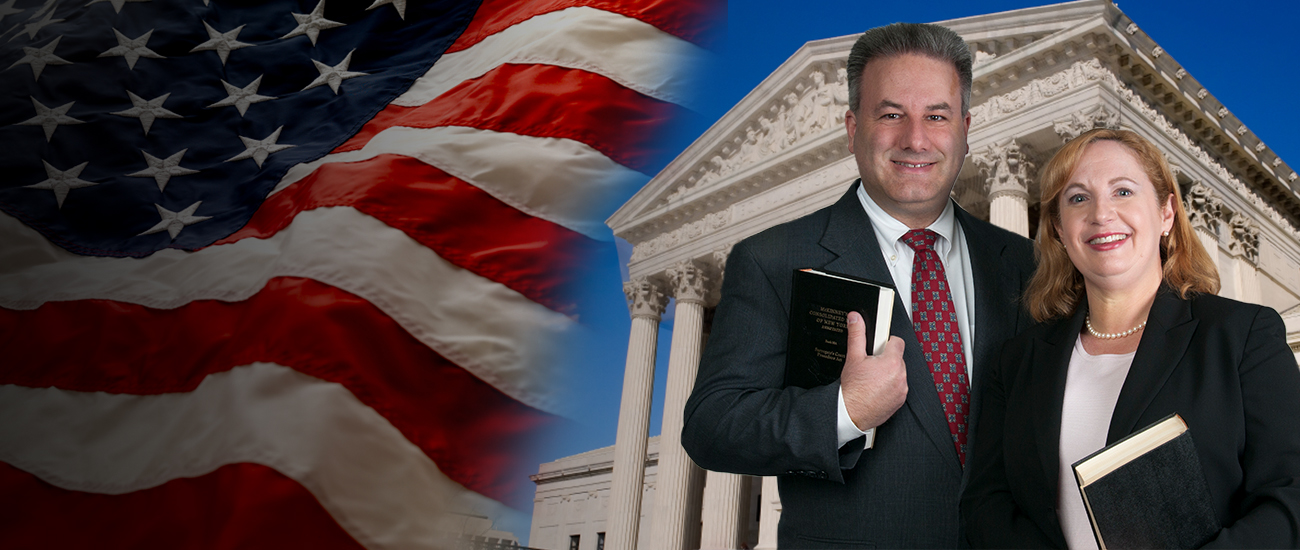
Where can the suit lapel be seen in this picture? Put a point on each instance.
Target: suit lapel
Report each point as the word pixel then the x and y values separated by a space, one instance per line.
pixel 1049 365
pixel 997 297
pixel 849 235
pixel 1164 341
pixel 997 287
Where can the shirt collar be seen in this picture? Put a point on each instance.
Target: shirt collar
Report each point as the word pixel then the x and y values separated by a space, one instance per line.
pixel 892 230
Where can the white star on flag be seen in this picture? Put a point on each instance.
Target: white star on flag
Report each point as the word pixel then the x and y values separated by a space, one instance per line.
pixel 162 170
pixel 50 118
pixel 7 9
pixel 62 181
pixel 399 4
pixel 222 43
pixel 38 58
pixel 312 23
pixel 334 76
pixel 117 4
pixel 258 150
pixel 131 48
pixel 32 28
pixel 241 98
pixel 147 111
pixel 174 222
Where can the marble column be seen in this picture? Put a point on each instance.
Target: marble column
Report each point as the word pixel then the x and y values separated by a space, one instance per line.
pixel 726 505
pixel 679 481
pixel 769 514
pixel 1203 211
pixel 647 302
pixel 1007 171
pixel 1243 246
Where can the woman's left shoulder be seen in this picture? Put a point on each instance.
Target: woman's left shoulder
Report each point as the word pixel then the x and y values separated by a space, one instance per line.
pixel 1227 311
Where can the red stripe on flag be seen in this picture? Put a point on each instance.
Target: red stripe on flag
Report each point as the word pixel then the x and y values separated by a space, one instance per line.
pixel 462 223
pixel 235 506
pixel 698 21
pixel 478 436
pixel 545 101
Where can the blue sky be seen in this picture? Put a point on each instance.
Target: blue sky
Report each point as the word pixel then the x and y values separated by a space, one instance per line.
pixel 1243 52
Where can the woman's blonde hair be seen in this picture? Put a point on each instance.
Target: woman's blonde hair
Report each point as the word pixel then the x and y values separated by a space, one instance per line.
pixel 1057 286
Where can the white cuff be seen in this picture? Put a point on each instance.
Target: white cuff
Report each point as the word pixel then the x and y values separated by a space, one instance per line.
pixel 845 429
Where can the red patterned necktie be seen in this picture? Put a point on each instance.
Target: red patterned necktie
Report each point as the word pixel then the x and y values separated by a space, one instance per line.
pixel 935 320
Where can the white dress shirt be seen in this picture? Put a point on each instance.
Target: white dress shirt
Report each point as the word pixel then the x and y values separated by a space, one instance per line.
pixel 952 248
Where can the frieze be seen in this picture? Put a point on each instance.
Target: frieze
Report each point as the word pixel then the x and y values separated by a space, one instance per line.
pixel 1080 73
pixel 711 222
pixel 1088 71
pixel 813 107
pixel 796 189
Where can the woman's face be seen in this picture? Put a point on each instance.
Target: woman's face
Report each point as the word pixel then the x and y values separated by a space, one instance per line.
pixel 1111 219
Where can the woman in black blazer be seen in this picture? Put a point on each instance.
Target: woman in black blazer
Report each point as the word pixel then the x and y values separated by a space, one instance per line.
pixel 1131 331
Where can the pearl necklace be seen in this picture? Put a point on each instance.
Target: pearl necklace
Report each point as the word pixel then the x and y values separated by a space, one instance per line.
pixel 1087 321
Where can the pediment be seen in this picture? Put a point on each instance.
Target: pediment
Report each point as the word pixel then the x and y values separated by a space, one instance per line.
pixel 792 123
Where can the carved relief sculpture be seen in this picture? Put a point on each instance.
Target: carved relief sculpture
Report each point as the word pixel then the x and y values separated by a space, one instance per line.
pixel 1097 116
pixel 1006 168
pixel 1243 238
pixel 1203 207
pixel 790 119
pixel 645 298
pixel 688 282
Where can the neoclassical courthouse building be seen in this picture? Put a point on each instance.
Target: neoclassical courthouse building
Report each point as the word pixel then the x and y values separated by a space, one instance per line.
pixel 1042 76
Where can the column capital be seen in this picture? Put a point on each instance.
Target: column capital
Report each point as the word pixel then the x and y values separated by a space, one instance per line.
pixel 689 282
pixel 1006 167
pixel 645 298
pixel 1243 238
pixel 1204 208
pixel 1096 116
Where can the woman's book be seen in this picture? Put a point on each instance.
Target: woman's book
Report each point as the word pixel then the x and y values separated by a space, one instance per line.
pixel 1148 490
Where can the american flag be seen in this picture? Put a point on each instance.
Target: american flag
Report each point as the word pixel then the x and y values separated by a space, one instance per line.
pixel 292 273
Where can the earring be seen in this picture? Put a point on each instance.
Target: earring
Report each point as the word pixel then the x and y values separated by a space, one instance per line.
pixel 1166 233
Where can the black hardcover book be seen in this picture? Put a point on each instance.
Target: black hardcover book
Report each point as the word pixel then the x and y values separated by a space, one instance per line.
pixel 1148 490
pixel 820 302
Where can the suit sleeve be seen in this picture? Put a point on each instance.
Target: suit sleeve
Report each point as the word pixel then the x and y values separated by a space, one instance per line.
pixel 992 517
pixel 1270 459
pixel 739 418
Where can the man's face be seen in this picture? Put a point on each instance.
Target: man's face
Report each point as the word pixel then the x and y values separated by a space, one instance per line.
pixel 909 136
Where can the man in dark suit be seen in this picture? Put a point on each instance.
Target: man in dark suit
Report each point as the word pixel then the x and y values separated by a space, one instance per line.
pixel 907 124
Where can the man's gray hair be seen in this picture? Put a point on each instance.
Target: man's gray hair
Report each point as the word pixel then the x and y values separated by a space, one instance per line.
pixel 909 38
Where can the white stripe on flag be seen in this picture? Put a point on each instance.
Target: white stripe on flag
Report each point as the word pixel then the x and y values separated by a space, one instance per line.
pixel 628 51
pixel 559 180
pixel 350 458
pixel 485 327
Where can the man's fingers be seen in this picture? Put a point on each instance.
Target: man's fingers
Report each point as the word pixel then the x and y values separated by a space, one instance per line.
pixel 893 347
pixel 857 337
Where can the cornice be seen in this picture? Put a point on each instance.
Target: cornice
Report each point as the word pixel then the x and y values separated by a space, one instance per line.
pixel 588 470
pixel 693 205
pixel 1153 73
